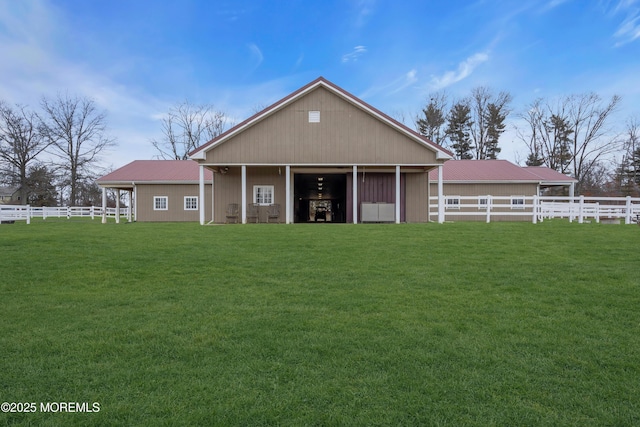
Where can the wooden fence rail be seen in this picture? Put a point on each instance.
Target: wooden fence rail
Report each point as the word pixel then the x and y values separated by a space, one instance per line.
pixel 537 208
pixel 10 213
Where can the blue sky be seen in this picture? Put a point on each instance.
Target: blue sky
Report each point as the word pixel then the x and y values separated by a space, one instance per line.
pixel 137 58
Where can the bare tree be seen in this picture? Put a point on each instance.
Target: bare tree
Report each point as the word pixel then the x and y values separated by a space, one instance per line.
pixel 548 136
pixel 591 139
pixel 571 136
pixel 185 127
pixel 488 113
pixel 77 133
pixel 21 142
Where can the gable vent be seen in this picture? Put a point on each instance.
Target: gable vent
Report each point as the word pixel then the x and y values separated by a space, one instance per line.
pixel 314 116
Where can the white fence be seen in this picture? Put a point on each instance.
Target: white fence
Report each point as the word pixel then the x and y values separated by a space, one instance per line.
pixel 537 208
pixel 10 213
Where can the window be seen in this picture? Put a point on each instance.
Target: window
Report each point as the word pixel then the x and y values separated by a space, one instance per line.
pixel 190 203
pixel 314 116
pixel 263 194
pixel 160 203
pixel 453 202
pixel 483 202
pixel 517 202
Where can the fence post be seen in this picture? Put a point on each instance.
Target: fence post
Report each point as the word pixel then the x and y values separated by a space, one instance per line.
pixel 597 212
pixel 28 211
pixel 581 210
pixel 534 208
pixel 68 212
pixel 627 216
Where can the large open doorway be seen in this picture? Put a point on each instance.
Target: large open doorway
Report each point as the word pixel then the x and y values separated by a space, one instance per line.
pixel 320 198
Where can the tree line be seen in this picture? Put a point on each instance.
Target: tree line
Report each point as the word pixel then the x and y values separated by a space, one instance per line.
pixel 572 134
pixel 52 154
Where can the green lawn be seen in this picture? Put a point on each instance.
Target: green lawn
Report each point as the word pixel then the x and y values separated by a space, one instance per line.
pixel 437 324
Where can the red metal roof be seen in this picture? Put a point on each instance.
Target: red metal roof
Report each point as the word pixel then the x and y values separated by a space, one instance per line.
pixel 157 170
pixel 494 171
pixel 549 174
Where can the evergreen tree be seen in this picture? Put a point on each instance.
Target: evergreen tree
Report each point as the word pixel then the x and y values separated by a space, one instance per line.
pixel 434 118
pixel 459 129
pixel 495 117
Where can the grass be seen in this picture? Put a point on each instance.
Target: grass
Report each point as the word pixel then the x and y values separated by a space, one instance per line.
pixel 454 324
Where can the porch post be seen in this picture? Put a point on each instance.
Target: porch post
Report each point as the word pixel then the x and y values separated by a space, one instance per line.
pixel 104 205
pixel 201 195
pixel 213 205
pixel 397 194
pixel 129 205
pixel 243 197
pixel 117 206
pixel 355 194
pixel 440 195
pixel 135 203
pixel 287 216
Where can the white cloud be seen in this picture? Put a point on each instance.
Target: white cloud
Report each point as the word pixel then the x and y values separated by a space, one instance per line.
pixel 256 54
pixel 629 30
pixel 464 70
pixel 353 56
pixel 404 81
pixel 364 8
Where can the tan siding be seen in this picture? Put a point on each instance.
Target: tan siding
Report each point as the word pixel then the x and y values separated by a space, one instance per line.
pixel 417 202
pixel 228 188
pixel 345 135
pixel 175 193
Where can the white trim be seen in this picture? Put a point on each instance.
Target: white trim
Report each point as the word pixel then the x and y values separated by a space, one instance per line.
pixel 398 195
pixel 355 194
pixel 323 165
pixel 135 201
pixel 166 203
pixel 243 189
pixel 440 195
pixel 201 193
pixel 487 201
pixel 130 194
pixel 314 116
pixel 455 202
pixel 268 190
pixel 213 205
pixel 104 205
pixel 288 195
pixel 518 206
pixel 197 208
pixel 117 206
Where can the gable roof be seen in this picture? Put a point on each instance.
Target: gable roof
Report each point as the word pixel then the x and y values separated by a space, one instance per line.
pixel 8 191
pixel 476 171
pixel 200 152
pixel 156 171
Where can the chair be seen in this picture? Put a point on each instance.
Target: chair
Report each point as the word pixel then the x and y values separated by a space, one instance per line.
pixel 273 211
pixel 232 212
pixel 253 211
